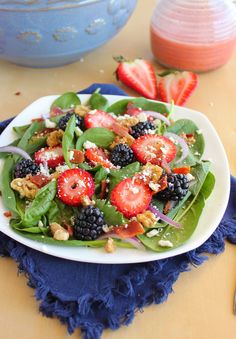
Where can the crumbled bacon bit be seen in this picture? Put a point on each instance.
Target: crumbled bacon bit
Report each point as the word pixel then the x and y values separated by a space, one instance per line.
pixel 167 207
pixel 77 157
pixel 7 214
pixel 39 180
pixel 103 189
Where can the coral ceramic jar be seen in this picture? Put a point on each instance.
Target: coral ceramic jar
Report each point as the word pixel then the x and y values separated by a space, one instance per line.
pixel 197 35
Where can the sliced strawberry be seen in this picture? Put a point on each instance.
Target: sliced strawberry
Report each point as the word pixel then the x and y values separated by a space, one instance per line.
pixel 98 157
pixel 77 156
pixel 53 156
pixel 129 230
pixel 73 184
pixel 131 197
pixel 98 118
pixel 176 86
pixel 182 170
pixel 39 180
pixel 153 148
pixel 139 75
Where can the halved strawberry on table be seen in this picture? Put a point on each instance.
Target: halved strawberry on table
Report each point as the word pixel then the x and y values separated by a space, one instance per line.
pixel 97 156
pixel 73 184
pixel 176 86
pixel 139 75
pixel 131 197
pixel 153 148
pixel 52 156
pixel 98 118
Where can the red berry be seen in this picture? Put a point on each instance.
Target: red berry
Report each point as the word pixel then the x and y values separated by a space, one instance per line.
pixel 176 86
pixel 97 118
pixel 153 148
pixel 131 197
pixel 53 156
pixel 98 157
pixel 73 184
pixel 139 75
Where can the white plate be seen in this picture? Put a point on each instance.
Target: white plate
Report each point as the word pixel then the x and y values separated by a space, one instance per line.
pixel 210 218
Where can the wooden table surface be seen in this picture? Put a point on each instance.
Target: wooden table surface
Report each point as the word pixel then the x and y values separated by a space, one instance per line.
pixel 201 305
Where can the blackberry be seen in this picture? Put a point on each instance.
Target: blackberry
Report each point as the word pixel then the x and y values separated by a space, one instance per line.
pixel 24 167
pixel 177 187
pixel 88 224
pixel 122 155
pixel 142 128
pixel 79 121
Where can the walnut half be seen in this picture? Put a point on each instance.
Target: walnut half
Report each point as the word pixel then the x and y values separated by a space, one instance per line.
pixel 147 219
pixel 25 187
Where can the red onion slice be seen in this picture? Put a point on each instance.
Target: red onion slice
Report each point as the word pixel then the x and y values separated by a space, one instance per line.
pixel 133 241
pixel 158 116
pixel 163 217
pixel 182 143
pixel 17 150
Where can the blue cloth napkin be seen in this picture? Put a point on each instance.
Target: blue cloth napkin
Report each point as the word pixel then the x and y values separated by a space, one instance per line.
pixel 95 297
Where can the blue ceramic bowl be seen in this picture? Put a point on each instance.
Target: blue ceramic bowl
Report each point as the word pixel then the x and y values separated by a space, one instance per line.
pixel 47 33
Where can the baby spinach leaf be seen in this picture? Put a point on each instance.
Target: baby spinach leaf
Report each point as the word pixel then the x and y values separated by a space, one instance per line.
pixel 53 213
pixel 35 145
pixel 199 172
pixel 102 137
pixel 100 175
pixel 111 215
pixel 8 195
pixel 72 242
pixel 20 130
pixel 67 100
pixel 40 205
pixel 59 212
pixel 209 185
pixel 4 155
pixel 120 106
pixel 196 150
pixel 67 140
pixel 128 171
pixel 98 101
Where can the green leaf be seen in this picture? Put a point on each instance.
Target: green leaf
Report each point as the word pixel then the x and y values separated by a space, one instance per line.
pixel 67 140
pixel 67 100
pixel 120 106
pixel 196 150
pixel 8 195
pixel 208 185
pixel 98 101
pixel 199 172
pixel 35 145
pixel 102 137
pixel 40 204
pixel 4 155
pixel 111 215
pixel 128 171
pixel 20 130
pixel 100 175
pixel 59 212
pixel 72 243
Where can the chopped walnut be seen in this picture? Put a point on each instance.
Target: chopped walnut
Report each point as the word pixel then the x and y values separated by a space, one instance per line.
pixel 81 110
pixel 129 121
pixel 59 232
pixel 110 246
pixel 147 219
pixel 122 140
pixel 151 175
pixel 25 187
pixel 86 201
pixel 55 138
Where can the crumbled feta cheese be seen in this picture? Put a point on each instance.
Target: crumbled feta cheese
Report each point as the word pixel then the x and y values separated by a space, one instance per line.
pixel 165 243
pixel 152 233
pixel 88 144
pixel 107 170
pixel 153 186
pixel 113 115
pixel 199 131
pixel 151 131
pixel 190 177
pixel 196 153
pixel 78 131
pixel 142 117
pixel 105 228
pixel 172 139
pixel 44 170
pixel 40 223
pixel 62 168
pixel 71 155
pixel 123 117
pixel 164 150
pixel 156 122
pixel 50 124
